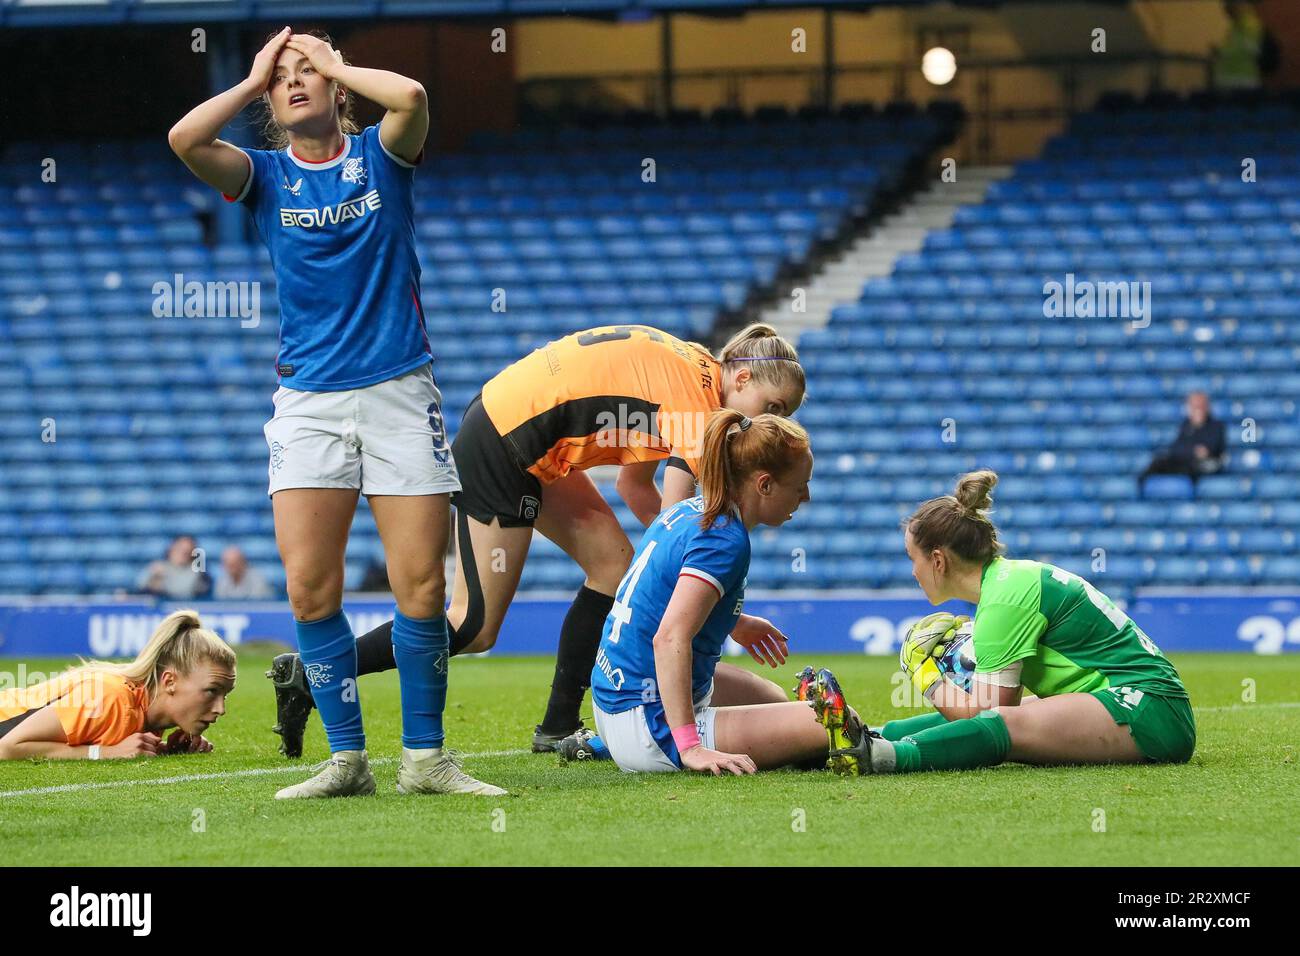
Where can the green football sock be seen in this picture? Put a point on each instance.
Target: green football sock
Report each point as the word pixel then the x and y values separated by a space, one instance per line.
pixel 980 741
pixel 907 726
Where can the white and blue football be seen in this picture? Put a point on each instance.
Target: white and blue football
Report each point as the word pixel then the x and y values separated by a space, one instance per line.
pixel 957 663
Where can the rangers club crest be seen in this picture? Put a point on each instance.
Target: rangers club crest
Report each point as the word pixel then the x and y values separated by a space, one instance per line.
pixel 354 171
pixel 318 674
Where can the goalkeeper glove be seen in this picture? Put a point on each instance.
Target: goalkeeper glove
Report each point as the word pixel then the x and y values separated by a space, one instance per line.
pixel 924 645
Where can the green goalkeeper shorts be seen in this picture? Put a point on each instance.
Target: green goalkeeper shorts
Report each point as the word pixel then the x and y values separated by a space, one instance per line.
pixel 1162 727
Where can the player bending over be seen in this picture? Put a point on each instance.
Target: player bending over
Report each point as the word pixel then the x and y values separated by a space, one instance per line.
pixel 357 411
pixel 627 395
pixel 661 699
pixel 1105 693
pixel 180 679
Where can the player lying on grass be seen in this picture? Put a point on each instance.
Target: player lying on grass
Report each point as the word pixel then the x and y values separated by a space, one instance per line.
pixel 1105 693
pixel 99 710
pixel 662 700
pixel 627 395
pixel 358 411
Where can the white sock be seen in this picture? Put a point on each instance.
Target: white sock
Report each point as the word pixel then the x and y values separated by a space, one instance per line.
pixel 883 756
pixel 421 753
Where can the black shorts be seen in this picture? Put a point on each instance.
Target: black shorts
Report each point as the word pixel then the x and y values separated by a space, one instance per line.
pixel 494 484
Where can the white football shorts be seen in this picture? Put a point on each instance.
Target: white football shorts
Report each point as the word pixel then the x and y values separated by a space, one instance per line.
pixel 640 740
pixel 385 439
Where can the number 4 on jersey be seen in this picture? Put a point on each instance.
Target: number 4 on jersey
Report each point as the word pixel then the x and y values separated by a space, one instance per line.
pixel 621 612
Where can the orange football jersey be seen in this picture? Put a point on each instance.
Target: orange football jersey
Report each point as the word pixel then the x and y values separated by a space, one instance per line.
pixel 607 396
pixel 94 707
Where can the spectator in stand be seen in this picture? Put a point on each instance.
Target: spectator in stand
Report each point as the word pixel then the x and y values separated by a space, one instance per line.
pixel 178 576
pixel 1198 449
pixel 240 581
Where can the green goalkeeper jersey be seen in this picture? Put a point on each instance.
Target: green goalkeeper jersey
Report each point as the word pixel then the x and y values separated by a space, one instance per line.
pixel 1068 636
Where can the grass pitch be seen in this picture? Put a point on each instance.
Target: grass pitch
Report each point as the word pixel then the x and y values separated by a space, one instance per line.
pixel 1235 804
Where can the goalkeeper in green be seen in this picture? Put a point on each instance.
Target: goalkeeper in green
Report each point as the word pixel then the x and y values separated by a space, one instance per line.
pixel 1103 691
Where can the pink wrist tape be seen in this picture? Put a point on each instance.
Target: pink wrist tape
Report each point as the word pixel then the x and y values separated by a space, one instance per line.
pixel 686 737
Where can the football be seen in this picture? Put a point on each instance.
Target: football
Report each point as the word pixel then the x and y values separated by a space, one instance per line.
pixel 957 663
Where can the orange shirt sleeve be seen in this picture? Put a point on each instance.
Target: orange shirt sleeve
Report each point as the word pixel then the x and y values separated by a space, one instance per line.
pixel 100 709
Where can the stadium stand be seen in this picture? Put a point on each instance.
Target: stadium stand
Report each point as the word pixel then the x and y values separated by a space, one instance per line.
pixel 152 424
pixel 158 420
pixel 1068 410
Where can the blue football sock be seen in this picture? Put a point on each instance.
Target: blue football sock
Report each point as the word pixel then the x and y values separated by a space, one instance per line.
pixel 420 649
pixel 599 750
pixel 329 656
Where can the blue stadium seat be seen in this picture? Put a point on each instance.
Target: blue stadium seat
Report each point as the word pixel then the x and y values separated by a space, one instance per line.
pixel 1168 487
pixel 1282 569
pixel 1226 487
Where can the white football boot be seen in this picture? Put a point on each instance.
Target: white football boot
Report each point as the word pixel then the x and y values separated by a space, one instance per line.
pixel 438 771
pixel 345 774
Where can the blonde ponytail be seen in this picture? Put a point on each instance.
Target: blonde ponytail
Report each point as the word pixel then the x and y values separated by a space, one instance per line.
pixel 180 641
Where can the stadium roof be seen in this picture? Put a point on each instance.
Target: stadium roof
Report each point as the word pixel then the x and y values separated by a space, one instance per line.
pixel 17 13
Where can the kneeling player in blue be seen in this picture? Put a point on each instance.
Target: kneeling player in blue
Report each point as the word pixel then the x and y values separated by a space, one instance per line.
pixel 662 701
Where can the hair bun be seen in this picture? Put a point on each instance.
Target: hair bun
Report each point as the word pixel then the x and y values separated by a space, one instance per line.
pixel 974 491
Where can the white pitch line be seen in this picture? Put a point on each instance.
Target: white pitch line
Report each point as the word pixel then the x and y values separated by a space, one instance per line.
pixel 222 775
pixel 381 761
pixel 1219 710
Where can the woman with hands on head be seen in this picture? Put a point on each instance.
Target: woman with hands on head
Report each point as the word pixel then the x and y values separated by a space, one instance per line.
pixel 180 679
pixel 358 411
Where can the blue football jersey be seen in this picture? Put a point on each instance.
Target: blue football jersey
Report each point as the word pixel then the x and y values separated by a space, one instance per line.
pixel 341 234
pixel 673 545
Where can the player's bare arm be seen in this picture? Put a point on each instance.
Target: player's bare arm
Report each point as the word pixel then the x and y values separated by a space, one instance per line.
pixel 405 125
pixel 636 486
pixel 679 484
pixel 194 138
pixel 956 704
pixel 42 735
pixel 691 603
